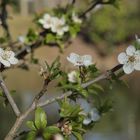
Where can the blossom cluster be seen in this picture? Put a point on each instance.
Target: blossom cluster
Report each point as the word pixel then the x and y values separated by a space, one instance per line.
pixel 7 58
pixel 56 25
pixel 129 59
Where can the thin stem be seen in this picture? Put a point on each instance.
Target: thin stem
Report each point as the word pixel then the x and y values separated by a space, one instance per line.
pixel 9 97
pixel 89 9
pixel 106 75
pixel 93 6
pixel 35 103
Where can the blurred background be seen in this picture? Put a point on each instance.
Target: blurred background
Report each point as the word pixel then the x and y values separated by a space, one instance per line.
pixel 107 32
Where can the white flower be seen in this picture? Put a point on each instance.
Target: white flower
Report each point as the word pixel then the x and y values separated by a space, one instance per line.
pixel 46 21
pixel 59 26
pixel 58 137
pixel 137 39
pixel 22 39
pixel 7 58
pixel 72 77
pixel 76 19
pixel 130 59
pixel 78 60
pixel 92 116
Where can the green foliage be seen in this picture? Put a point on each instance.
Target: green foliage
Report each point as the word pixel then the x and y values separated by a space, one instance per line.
pixel 69 111
pixel 52 38
pixel 111 25
pixel 40 118
pixel 31 36
pixel 39 127
pixel 53 71
pixel 72 118
pixel 137 44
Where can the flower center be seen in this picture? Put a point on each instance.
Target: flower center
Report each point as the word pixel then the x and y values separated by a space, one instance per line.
pixel 5 55
pixel 132 59
pixel 48 21
pixel 59 27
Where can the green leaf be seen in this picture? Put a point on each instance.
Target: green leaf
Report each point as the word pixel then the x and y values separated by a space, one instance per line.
pixel 49 131
pixel 68 110
pixel 34 60
pixel 52 129
pixel 31 125
pixel 77 135
pixel 40 118
pixel 1 94
pixel 50 38
pixel 47 136
pixel 31 135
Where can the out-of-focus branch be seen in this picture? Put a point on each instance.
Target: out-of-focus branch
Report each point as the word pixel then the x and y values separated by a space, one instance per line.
pixel 10 98
pixel 92 6
pixel 3 17
pixel 73 2
pixel 35 102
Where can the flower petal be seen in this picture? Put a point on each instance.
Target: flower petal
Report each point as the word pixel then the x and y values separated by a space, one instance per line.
pixel 5 62
pixel 130 50
pixel 13 60
pixel 10 53
pixel 65 28
pixel 87 121
pixel 46 16
pixel 87 60
pixel 137 53
pixel 72 77
pixel 137 66
pixel 73 58
pixel 1 50
pixel 94 115
pixel 60 32
pixel 122 58
pixel 128 68
pixel 41 21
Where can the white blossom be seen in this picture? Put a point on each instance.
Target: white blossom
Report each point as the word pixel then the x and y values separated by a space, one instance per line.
pixel 130 59
pixel 72 77
pixel 78 60
pixel 92 116
pixel 46 21
pixel 7 58
pixel 59 26
pixel 75 18
pixel 58 137
pixel 22 39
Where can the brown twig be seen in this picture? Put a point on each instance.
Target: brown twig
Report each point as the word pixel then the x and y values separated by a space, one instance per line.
pixel 10 98
pixel 3 17
pixel 35 102
pixel 97 2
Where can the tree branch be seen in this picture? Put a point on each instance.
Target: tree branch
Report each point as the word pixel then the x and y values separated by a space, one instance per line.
pixel 89 9
pixel 35 103
pixel 9 97
pixel 3 17
pixel 97 2
pixel 104 76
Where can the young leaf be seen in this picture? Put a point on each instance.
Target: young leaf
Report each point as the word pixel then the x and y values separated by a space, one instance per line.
pixel 31 135
pixel 40 118
pixel 52 129
pixel 31 125
pixel 77 135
